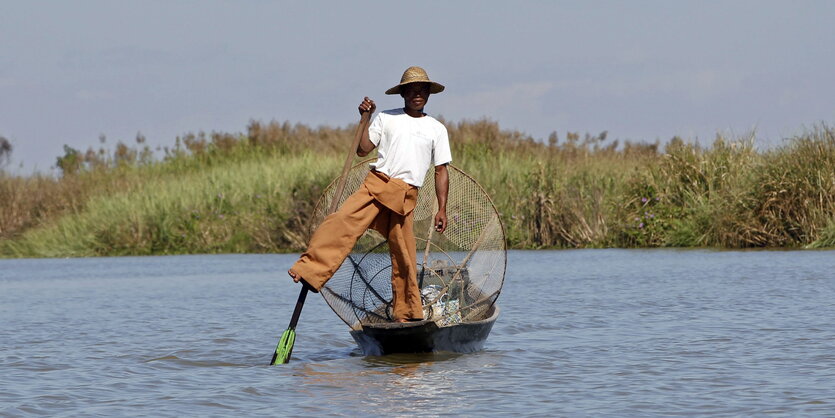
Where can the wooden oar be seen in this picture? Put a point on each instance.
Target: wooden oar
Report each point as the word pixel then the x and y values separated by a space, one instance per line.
pixel 285 345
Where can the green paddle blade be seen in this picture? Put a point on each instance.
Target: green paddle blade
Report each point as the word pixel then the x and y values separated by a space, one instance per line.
pixel 284 347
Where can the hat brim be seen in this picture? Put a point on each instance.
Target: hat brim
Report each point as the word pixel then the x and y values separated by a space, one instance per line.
pixel 434 88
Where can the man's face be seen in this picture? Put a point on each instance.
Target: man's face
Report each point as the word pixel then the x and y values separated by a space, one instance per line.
pixel 416 95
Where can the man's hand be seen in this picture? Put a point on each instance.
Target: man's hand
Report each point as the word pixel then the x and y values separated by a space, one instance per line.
pixel 440 221
pixel 366 146
pixel 367 105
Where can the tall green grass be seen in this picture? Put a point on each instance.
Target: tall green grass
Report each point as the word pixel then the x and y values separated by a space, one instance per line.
pixel 254 192
pixel 259 205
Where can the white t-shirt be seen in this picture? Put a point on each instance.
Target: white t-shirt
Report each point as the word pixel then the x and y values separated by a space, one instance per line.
pixel 406 146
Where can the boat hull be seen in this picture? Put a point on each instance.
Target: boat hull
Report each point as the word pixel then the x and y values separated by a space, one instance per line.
pixel 424 337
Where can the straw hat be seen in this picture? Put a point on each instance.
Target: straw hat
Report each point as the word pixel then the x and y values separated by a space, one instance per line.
pixel 416 75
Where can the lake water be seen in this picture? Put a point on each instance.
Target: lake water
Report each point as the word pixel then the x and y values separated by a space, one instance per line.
pixel 582 332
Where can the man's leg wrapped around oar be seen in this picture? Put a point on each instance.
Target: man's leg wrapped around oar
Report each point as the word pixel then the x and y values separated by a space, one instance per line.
pixel 335 238
pixel 381 203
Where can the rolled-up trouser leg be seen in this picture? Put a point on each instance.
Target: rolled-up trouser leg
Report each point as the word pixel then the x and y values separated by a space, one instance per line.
pixel 406 302
pixel 335 238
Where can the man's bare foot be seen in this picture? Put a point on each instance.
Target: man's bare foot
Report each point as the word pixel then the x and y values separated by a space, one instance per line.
pixel 297 278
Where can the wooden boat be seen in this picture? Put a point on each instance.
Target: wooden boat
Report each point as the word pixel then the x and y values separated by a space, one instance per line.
pixel 424 336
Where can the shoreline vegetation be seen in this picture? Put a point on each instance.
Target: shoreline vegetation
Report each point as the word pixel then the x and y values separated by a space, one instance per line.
pixel 253 192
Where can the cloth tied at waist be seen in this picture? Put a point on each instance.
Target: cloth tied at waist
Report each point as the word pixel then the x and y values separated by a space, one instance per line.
pixel 395 194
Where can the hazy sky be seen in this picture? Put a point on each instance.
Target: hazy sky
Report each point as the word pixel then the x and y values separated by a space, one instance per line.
pixel 642 70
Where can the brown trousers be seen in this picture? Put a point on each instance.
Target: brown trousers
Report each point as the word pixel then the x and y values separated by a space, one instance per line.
pixel 387 206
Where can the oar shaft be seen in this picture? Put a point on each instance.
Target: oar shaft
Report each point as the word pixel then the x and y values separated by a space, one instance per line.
pixel 340 187
pixel 291 330
pixel 299 305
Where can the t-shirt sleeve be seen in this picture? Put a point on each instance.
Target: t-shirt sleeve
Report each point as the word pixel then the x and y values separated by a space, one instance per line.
pixel 441 153
pixel 375 130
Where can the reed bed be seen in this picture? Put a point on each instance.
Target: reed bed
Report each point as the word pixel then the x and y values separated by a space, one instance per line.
pixel 254 191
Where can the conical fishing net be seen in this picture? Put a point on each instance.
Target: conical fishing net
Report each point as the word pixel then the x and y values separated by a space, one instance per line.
pixel 460 272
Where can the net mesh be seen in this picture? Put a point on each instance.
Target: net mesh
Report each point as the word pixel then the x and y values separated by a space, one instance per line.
pixel 460 272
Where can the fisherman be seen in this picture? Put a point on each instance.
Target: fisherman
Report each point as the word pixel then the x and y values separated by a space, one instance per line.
pixel 407 141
